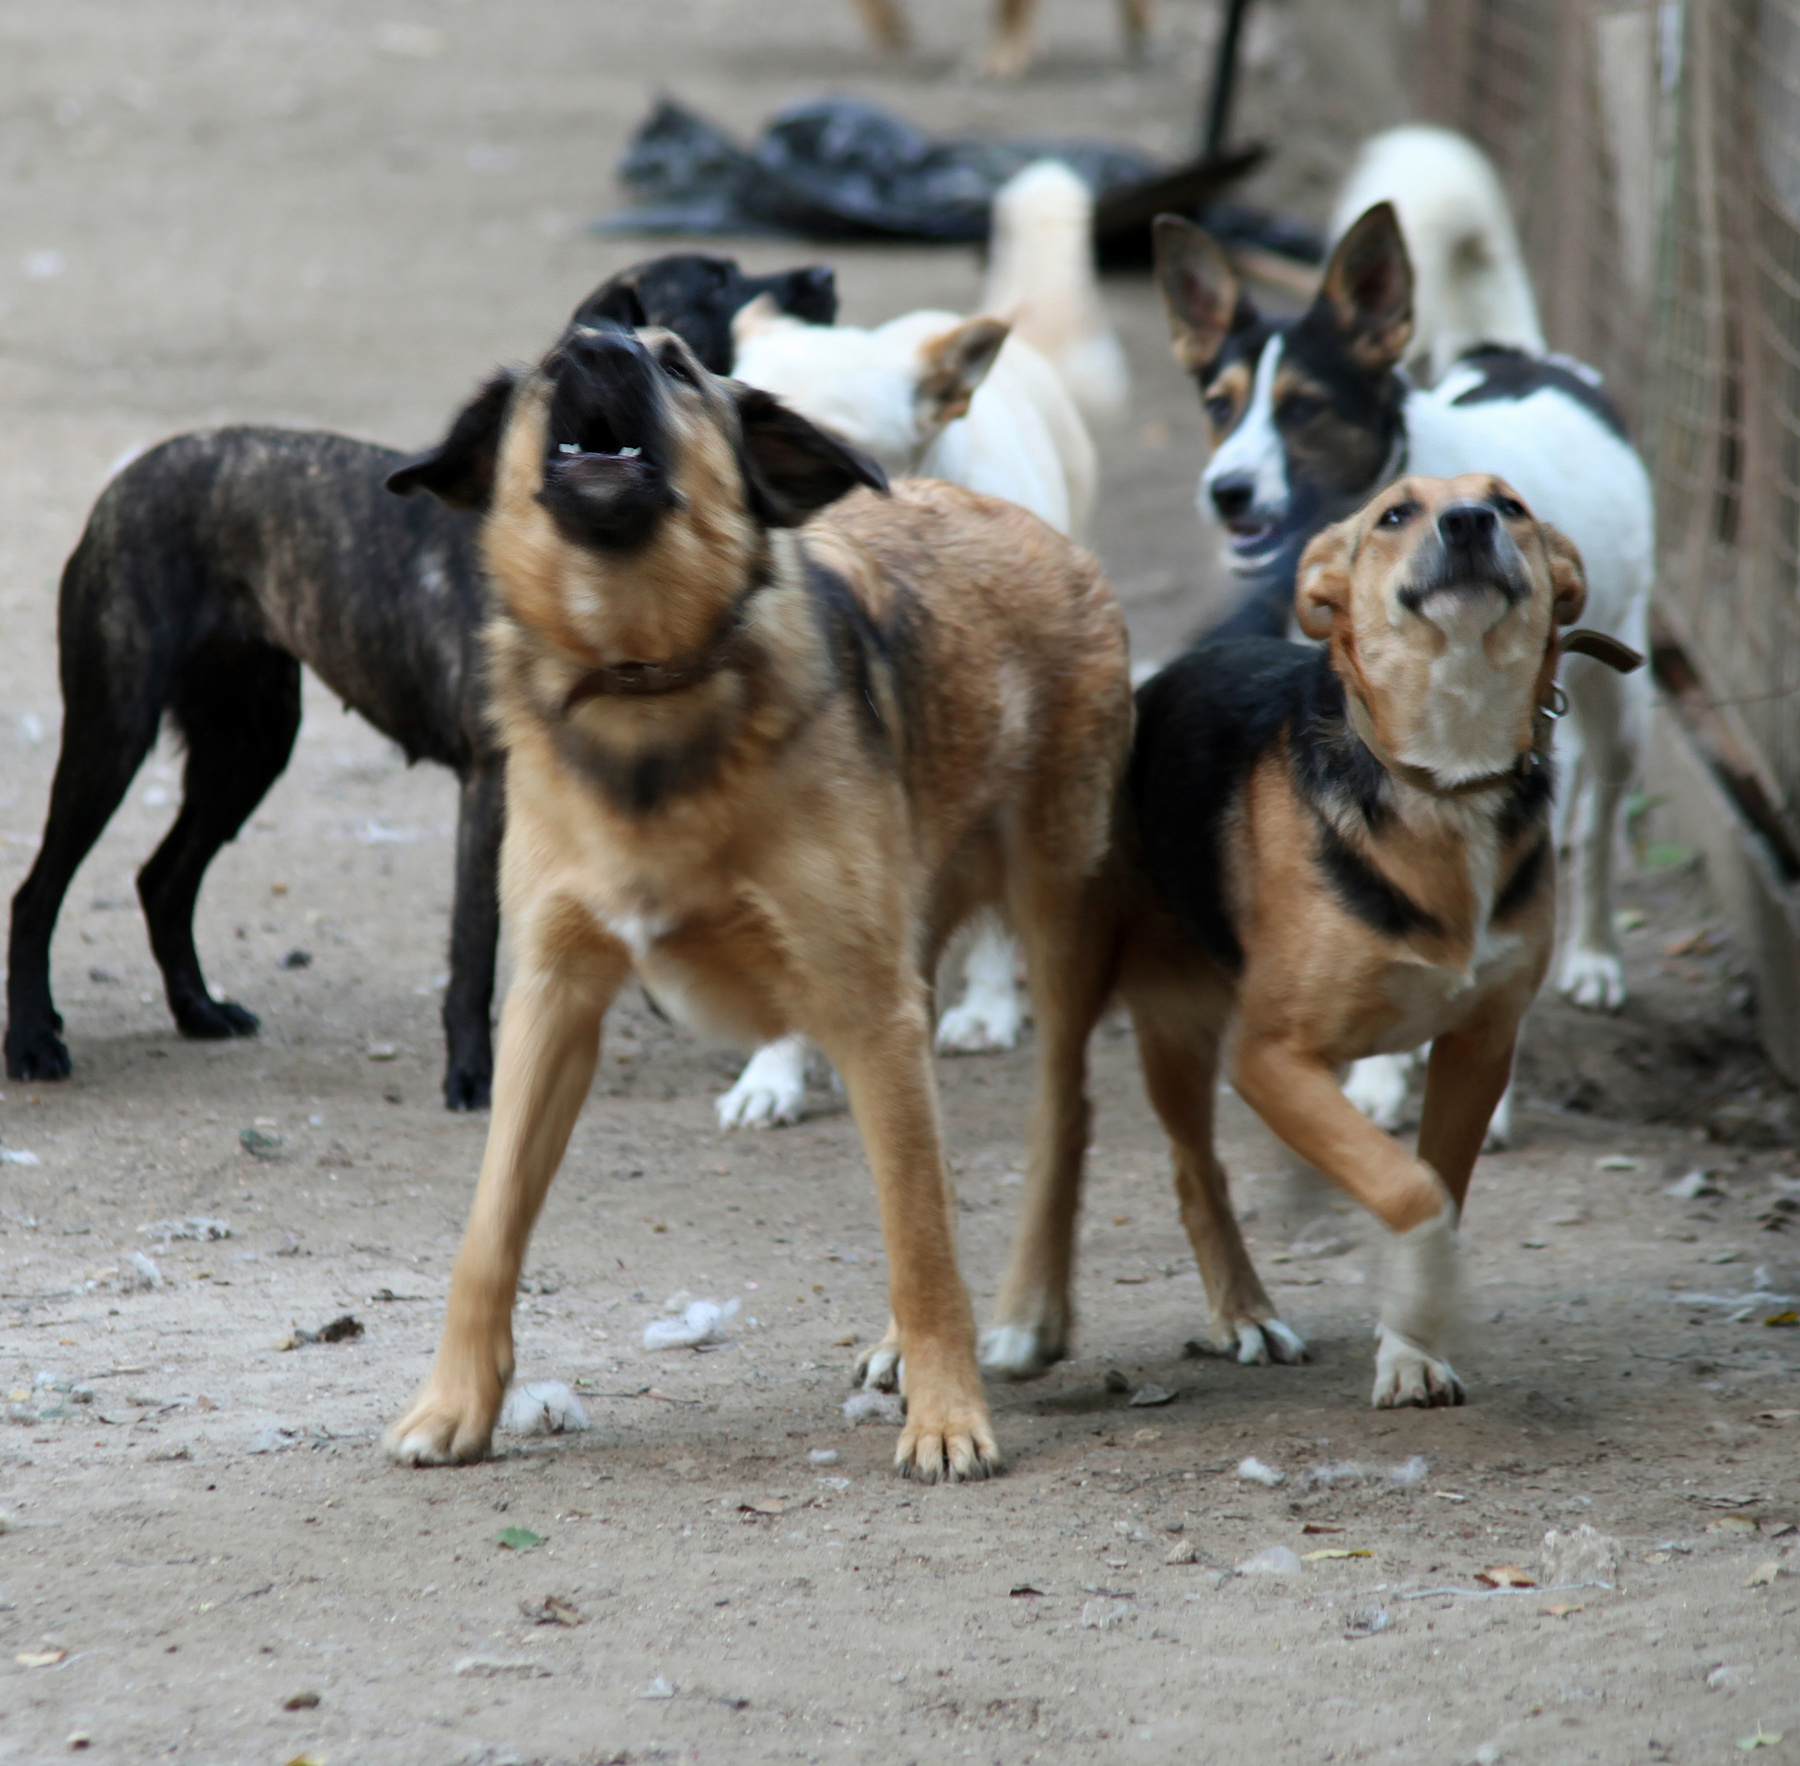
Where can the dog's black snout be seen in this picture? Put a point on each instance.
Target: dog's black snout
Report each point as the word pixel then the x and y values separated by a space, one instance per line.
pixel 1233 495
pixel 1467 527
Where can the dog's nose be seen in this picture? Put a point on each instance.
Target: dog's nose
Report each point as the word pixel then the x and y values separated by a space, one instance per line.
pixel 1465 526
pixel 1232 495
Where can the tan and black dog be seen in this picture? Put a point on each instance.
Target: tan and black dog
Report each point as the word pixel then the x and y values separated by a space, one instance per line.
pixel 1331 852
pixel 769 767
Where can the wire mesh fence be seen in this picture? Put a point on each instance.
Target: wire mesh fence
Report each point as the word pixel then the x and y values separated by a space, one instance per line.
pixel 1651 149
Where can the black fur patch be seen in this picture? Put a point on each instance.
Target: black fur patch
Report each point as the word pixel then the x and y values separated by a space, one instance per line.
pixel 641 783
pixel 1365 892
pixel 1512 374
pixel 858 648
pixel 1522 885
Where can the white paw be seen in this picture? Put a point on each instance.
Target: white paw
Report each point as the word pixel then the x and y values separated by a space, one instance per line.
pixel 1406 1374
pixel 1593 980
pixel 1262 1341
pixel 1018 1352
pixel 986 1018
pixel 771 1088
pixel 1377 1087
pixel 882 1369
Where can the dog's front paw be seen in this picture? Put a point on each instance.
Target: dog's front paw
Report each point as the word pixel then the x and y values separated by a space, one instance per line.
pixel 451 1422
pixel 209 1020
pixel 1594 980
pixel 947 1438
pixel 1021 1351
pixel 468 1087
pixel 1377 1087
pixel 984 1020
pixel 771 1089
pixel 36 1052
pixel 1406 1374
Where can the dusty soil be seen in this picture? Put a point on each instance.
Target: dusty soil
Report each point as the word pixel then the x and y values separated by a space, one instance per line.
pixel 325 214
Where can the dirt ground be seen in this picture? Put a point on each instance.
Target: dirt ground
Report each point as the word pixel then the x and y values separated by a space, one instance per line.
pixel 332 214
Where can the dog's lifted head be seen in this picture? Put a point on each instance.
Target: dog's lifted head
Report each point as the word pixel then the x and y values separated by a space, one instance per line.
pixel 628 491
pixel 696 295
pixel 1304 413
pixel 891 391
pixel 1440 602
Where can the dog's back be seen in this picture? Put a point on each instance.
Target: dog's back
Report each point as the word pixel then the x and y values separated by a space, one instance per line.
pixel 288 538
pixel 1470 285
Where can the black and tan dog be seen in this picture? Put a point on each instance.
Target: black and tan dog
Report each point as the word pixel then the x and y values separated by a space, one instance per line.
pixel 770 767
pixel 1331 852
pixel 210 570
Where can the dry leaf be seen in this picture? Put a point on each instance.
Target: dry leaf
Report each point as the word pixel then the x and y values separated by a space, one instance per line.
pixel 1732 1524
pixel 1313 1557
pixel 1763 1575
pixel 1506 1576
pixel 1789 1317
pixel 1559 1609
pixel 1319 1527
pixel 1761 1739
pixel 40 1658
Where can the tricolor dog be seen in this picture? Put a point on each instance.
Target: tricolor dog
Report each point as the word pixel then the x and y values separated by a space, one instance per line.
pixel 1310 416
pixel 1329 852
pixel 769 738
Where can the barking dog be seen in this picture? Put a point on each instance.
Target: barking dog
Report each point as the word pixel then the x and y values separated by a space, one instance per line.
pixel 210 570
pixel 769 771
pixel 1333 851
pixel 1309 416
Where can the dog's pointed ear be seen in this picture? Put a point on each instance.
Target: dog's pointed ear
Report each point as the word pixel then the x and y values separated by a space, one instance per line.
pixel 757 318
pixel 1322 583
pixel 1199 288
pixel 1568 575
pixel 615 301
pixel 1368 289
pixel 809 293
pixel 459 471
pixel 792 468
pixel 953 365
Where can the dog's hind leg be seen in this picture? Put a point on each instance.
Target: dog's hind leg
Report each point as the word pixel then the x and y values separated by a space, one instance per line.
pixel 238 704
pixel 1179 1030
pixel 474 932
pixel 549 1045
pixel 111 708
pixel 1069 928
pixel 1613 713
pixel 990 1013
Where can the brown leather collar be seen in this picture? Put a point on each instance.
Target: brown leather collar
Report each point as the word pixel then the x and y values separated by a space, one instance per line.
pixel 1581 642
pixel 674 674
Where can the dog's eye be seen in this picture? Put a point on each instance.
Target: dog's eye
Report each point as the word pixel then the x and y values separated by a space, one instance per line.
pixel 1510 507
pixel 1221 408
pixel 1302 407
pixel 675 365
pixel 1397 514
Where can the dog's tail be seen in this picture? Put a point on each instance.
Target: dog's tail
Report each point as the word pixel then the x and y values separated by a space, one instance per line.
pixel 1469 281
pixel 1041 276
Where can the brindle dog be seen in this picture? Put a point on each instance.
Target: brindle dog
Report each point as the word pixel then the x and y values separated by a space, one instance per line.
pixel 210 570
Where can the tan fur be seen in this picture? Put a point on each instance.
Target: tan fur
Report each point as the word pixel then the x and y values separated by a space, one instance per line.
pixel 1012 48
pixel 808 879
pixel 1320 987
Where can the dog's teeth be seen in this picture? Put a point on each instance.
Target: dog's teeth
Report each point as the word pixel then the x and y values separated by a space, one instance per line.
pixel 567 448
pixel 629 453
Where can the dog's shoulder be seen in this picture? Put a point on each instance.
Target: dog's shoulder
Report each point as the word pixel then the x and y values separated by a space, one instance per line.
pixel 1493 374
pixel 1204 723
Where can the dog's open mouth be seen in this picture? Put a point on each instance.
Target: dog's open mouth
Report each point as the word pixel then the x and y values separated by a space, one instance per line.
pixel 1250 536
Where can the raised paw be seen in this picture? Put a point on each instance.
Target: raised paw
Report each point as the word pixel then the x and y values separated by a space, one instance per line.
pixel 451 1422
pixel 1594 980
pixel 1405 1375
pixel 36 1053
pixel 771 1089
pixel 1021 1351
pixel 1377 1087
pixel 209 1020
